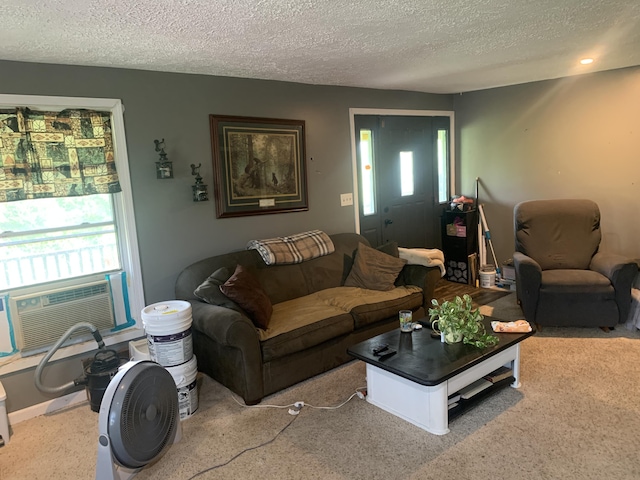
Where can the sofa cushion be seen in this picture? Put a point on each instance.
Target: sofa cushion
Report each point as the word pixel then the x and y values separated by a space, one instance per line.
pixel 390 248
pixel 302 323
pixel 282 282
pixel 566 281
pixel 325 272
pixel 373 269
pixel 370 306
pixel 245 289
pixel 374 312
pixel 209 290
pixel 313 319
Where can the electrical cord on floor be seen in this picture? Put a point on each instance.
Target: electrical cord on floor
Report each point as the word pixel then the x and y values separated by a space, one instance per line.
pixel 294 409
pixel 358 392
pixel 262 405
pixel 201 472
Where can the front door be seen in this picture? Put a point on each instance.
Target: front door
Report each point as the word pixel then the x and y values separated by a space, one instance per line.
pixel 399 167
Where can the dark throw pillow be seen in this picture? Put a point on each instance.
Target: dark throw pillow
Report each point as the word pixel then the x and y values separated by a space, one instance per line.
pixel 390 248
pixel 245 289
pixel 209 290
pixel 373 269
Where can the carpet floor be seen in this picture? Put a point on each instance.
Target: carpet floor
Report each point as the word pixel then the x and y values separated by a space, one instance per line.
pixel 576 416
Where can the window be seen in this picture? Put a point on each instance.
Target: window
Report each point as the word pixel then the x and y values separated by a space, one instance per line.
pixel 366 172
pixel 51 239
pixel 406 174
pixel 40 252
pixel 442 151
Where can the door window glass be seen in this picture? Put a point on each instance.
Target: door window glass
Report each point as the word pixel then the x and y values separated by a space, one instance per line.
pixel 406 174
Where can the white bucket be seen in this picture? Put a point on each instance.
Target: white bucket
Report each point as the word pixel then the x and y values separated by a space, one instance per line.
pixel 139 350
pixel 185 377
pixel 487 276
pixel 168 329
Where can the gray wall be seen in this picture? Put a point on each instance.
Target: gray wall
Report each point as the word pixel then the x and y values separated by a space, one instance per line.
pixel 576 137
pixel 173 231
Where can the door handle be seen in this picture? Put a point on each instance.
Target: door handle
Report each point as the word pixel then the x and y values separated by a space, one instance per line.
pixel 387 222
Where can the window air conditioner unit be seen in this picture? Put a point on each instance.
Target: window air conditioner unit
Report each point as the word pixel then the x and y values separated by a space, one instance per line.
pixel 42 318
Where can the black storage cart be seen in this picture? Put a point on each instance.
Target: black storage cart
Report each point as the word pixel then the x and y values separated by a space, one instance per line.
pixel 460 245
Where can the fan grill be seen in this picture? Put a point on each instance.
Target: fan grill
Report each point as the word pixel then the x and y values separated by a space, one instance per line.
pixel 148 414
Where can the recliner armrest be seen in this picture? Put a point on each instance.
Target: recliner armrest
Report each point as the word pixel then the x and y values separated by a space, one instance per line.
pixel 528 281
pixel 610 265
pixel 621 272
pixel 528 266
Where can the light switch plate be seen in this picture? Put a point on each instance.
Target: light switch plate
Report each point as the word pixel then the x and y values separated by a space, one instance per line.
pixel 346 199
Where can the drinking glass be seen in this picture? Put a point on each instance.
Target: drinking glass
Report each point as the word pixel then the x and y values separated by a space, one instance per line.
pixel 406 320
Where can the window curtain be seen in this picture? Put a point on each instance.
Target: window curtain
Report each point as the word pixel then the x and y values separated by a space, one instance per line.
pixel 55 154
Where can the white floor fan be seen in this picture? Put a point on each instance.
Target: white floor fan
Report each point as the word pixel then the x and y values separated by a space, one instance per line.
pixel 139 420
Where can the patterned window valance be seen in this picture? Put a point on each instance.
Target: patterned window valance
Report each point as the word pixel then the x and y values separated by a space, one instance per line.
pixel 55 154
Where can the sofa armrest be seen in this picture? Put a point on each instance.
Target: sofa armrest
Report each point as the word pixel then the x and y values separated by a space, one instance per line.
pixel 528 281
pixel 224 326
pixel 621 272
pixel 424 277
pixel 229 347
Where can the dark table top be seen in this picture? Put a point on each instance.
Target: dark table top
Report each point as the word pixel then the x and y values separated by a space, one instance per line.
pixel 426 360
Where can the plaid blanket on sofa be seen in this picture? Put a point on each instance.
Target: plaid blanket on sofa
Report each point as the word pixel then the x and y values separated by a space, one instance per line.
pixel 293 249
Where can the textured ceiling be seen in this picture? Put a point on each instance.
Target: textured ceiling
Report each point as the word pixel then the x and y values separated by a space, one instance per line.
pixel 439 46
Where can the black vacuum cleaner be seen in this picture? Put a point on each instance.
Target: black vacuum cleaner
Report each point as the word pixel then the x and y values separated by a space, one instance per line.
pixel 97 374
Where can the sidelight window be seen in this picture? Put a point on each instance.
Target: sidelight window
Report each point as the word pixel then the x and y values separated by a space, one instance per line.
pixel 366 172
pixel 442 152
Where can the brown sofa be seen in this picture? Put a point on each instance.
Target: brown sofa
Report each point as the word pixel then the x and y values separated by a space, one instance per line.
pixel 315 317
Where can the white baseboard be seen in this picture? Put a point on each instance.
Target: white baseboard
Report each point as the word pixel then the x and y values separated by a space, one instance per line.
pixel 47 407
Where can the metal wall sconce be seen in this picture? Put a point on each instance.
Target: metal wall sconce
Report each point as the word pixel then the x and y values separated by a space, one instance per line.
pixel 200 193
pixel 164 168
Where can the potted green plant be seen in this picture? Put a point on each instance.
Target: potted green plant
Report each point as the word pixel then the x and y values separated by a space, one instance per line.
pixel 457 320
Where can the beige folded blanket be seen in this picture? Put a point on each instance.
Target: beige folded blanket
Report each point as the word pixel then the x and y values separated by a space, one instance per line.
pixel 429 257
pixel 519 326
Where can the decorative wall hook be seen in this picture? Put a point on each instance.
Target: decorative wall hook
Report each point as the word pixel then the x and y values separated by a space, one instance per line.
pixel 200 193
pixel 164 168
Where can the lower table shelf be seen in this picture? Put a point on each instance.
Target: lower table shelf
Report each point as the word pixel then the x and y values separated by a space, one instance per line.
pixel 467 404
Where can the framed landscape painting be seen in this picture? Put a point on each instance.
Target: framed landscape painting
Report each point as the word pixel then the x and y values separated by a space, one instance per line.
pixel 259 165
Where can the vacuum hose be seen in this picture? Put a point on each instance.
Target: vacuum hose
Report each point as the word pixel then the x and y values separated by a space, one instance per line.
pixel 43 362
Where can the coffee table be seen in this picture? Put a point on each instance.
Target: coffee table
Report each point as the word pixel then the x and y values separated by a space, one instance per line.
pixel 414 384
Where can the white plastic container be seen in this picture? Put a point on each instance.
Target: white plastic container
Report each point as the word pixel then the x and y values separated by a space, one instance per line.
pixel 487 276
pixel 139 350
pixel 185 376
pixel 168 329
pixel 4 418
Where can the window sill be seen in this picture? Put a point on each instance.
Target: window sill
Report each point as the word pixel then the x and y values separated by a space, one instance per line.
pixel 16 363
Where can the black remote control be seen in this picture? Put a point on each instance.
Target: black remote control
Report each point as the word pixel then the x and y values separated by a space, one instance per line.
pixel 378 349
pixel 387 353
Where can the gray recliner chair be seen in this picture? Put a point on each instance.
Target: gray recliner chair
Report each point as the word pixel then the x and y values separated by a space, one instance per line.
pixel 561 278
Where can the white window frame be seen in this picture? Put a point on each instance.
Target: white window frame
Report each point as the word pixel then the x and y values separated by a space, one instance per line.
pixel 124 217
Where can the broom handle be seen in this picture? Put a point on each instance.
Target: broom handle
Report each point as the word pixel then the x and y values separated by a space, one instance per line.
pixel 487 234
